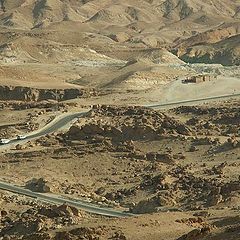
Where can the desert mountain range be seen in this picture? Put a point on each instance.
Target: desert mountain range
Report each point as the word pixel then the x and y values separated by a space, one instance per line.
pixel 196 31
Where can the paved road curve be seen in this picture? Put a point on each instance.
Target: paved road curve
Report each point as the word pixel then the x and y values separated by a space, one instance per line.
pixel 58 200
pixel 53 126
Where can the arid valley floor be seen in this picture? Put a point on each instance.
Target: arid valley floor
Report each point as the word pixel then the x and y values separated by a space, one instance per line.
pixel 96 92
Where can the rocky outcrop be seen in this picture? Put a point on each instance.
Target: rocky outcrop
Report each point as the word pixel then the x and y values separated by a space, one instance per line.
pixel 153 204
pixel 196 234
pixel 145 206
pixel 32 94
pixel 37 222
pixel 59 211
pixel 127 123
pixel 219 120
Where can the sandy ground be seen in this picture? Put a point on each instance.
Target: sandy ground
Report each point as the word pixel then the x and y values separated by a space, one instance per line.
pixel 177 91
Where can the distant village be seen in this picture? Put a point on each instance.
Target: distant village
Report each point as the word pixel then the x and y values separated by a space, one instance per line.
pixel 199 78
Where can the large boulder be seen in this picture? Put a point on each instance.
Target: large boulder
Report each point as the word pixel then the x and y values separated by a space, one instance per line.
pixel 38 185
pixel 153 204
pixel 59 211
pixel 92 129
pixel 160 157
pixel 145 206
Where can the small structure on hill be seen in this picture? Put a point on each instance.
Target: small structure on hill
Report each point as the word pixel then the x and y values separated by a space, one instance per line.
pixel 199 79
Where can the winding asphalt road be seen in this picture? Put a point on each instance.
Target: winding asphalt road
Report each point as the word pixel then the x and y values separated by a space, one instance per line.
pixel 58 200
pixel 59 123
pixel 53 126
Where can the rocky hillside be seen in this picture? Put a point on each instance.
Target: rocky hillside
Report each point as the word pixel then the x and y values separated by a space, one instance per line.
pixel 226 52
pixel 30 94
pixel 102 24
pixel 42 13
